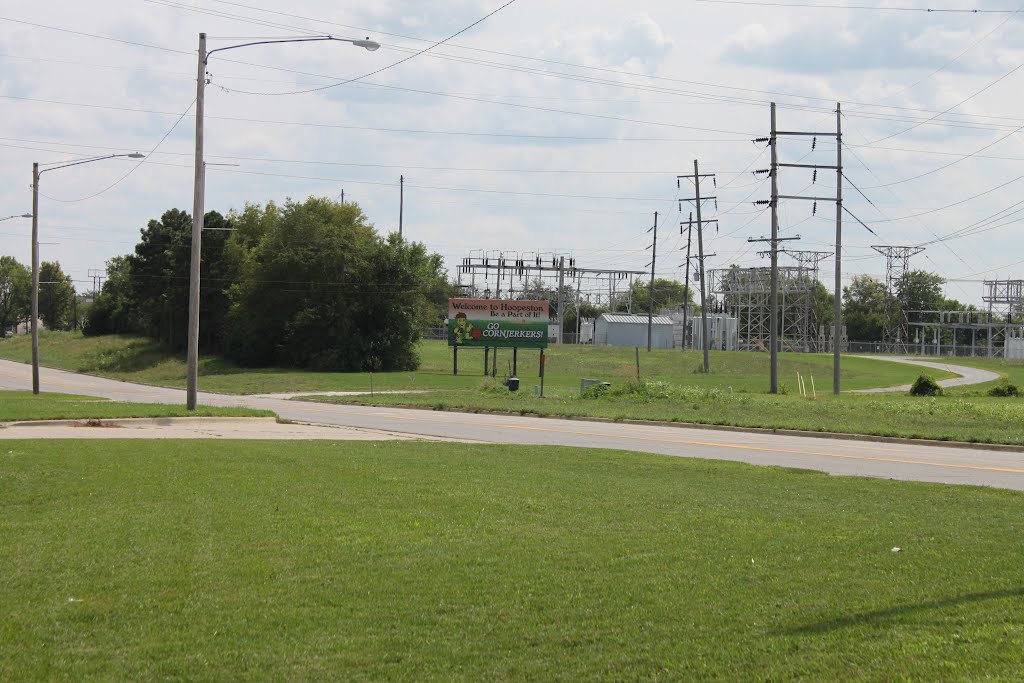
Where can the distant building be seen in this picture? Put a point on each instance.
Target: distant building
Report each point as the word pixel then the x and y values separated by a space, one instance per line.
pixel 622 329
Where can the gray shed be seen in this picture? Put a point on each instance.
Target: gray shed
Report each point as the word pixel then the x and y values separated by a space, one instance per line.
pixel 622 329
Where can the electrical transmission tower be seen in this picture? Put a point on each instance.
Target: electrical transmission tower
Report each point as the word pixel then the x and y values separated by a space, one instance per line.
pixel 897 263
pixel 800 324
pixel 698 201
pixel 773 141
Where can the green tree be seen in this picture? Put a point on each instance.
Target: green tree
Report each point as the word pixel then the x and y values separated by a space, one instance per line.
pixel 920 290
pixel 112 310
pixel 160 279
pixel 15 293
pixel 667 294
pixel 56 297
pixel 864 308
pixel 319 288
pixel 823 307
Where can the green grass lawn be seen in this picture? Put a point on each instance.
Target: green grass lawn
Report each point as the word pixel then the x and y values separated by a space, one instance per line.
pixel 16 406
pixel 206 560
pixel 950 418
pixel 140 360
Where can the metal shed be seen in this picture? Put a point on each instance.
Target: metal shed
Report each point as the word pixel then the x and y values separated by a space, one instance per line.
pixel 622 329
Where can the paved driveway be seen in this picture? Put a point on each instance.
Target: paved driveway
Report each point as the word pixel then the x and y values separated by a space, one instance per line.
pixel 967 375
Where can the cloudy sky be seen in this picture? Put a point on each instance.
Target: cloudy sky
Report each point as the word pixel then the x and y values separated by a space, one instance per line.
pixel 547 127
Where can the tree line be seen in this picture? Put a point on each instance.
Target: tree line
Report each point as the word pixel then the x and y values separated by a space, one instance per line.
pixel 58 301
pixel 310 285
pixel 313 285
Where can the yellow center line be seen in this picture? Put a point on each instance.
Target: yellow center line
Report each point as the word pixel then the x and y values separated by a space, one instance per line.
pixel 712 444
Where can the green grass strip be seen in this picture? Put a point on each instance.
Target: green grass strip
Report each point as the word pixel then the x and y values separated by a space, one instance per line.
pixel 222 560
pixel 16 406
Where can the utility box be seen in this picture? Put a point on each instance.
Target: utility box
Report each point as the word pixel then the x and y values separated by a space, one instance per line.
pixel 587 383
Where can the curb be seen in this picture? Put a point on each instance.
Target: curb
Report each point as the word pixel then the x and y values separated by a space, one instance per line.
pixel 131 421
pixel 839 436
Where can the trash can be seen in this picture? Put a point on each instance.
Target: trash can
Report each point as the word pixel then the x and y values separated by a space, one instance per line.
pixel 513 384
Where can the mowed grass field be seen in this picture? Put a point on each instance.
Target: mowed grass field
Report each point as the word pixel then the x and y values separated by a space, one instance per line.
pixel 24 405
pixel 382 561
pixel 140 360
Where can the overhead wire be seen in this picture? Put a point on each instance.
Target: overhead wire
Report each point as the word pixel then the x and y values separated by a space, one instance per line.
pixel 130 171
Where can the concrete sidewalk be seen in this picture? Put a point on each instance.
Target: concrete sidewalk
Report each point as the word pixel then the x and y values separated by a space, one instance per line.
pixel 197 428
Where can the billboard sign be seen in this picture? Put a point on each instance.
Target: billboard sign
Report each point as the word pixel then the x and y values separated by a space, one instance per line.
pixel 498 323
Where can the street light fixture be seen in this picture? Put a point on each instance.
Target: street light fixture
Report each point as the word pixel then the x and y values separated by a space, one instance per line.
pixel 198 198
pixel 35 250
pixel 17 215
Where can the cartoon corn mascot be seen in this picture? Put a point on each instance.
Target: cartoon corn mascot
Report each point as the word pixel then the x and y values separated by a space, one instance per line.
pixel 463 330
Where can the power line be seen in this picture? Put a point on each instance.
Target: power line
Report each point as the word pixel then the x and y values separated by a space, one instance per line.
pixel 932 10
pixel 963 101
pixel 316 162
pixel 401 61
pixel 734 100
pixel 404 130
pixel 133 168
pixel 955 59
pixel 96 36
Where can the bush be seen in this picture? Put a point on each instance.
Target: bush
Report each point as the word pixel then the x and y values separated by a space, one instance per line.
pixel 925 386
pixel 1004 390
pixel 595 390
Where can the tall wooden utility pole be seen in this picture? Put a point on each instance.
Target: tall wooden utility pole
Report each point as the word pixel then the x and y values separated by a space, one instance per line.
pixel 654 259
pixel 686 280
pixel 837 323
pixel 698 200
pixel 838 199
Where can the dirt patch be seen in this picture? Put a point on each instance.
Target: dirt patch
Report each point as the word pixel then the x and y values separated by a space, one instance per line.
pixel 97 423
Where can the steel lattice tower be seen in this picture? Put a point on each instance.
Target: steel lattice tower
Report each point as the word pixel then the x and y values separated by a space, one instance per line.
pixel 897 263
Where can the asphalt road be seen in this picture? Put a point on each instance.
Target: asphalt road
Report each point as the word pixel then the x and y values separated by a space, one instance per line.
pixel 839 457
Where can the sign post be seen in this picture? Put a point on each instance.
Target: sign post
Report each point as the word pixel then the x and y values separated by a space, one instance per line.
pixel 542 359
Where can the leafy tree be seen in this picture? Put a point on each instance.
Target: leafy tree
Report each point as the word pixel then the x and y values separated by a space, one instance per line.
pixel 823 307
pixel 667 294
pixel 56 297
pixel 319 288
pixel 920 290
pixel 160 279
pixel 112 310
pixel 15 293
pixel 864 308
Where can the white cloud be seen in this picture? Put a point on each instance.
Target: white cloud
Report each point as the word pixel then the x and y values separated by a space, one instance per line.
pixel 695 49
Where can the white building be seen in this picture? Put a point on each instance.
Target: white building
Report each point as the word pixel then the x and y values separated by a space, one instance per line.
pixel 622 329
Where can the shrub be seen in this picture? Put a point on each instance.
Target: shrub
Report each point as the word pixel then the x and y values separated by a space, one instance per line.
pixel 595 390
pixel 1004 390
pixel 925 386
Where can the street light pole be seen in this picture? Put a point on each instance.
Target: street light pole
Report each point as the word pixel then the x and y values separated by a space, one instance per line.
pixel 199 198
pixel 35 252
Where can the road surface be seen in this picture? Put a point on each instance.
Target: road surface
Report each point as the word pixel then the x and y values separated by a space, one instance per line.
pixel 967 375
pixel 839 457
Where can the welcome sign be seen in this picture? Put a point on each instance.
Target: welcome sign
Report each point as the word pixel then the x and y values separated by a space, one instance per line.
pixel 498 323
